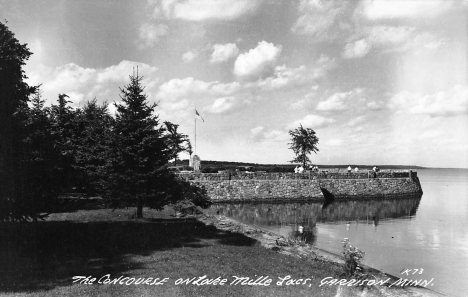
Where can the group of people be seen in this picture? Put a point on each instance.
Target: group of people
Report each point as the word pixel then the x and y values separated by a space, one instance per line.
pixel 355 169
pixel 300 169
pixel 375 169
pixel 313 168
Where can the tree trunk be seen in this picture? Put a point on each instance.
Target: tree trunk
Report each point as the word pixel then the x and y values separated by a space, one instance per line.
pixel 139 214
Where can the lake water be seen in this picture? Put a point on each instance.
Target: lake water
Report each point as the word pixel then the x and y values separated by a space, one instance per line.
pixel 430 232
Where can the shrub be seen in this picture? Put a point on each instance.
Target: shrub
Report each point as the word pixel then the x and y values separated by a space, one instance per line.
pixel 353 257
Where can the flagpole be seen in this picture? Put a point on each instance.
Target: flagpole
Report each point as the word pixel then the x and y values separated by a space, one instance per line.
pixel 195 119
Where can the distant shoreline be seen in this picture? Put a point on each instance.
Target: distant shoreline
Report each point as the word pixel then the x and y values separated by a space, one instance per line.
pixel 206 163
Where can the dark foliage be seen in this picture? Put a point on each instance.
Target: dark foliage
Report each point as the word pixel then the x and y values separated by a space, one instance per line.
pixel 42 157
pixel 63 121
pixel 92 141
pixel 175 141
pixel 303 142
pixel 20 169
pixel 135 166
pixel 48 151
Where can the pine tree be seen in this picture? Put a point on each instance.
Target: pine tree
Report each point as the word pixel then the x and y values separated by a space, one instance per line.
pixel 63 119
pixel 16 200
pixel 91 144
pixel 40 155
pixel 139 152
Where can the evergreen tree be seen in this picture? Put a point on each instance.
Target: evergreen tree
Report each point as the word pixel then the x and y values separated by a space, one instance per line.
pixel 16 200
pixel 63 119
pixel 93 125
pixel 40 154
pixel 174 140
pixel 303 142
pixel 139 152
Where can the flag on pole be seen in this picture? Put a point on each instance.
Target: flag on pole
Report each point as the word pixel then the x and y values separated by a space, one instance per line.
pixel 198 116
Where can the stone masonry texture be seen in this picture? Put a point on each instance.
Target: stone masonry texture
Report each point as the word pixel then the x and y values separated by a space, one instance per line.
pixel 267 187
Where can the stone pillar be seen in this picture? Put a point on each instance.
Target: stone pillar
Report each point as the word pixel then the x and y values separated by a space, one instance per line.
pixel 196 162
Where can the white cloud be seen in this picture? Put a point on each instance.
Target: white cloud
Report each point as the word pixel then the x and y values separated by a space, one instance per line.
pixel 179 88
pixel 390 39
pixel 112 109
pixel 256 133
pixel 452 102
pixel 343 101
pixel 391 35
pixel 423 41
pixel 223 52
pixel 182 88
pixel 200 10
pixel 119 73
pixel 83 84
pixel 276 136
pixel 335 102
pixel 175 106
pixel 222 105
pixel 189 56
pixel 335 142
pixel 357 49
pixel 356 120
pixel 322 66
pixel 286 77
pixel 391 9
pixel 299 104
pixel 374 105
pixel 257 60
pixel 311 121
pixel 67 78
pixel 317 17
pixel 149 34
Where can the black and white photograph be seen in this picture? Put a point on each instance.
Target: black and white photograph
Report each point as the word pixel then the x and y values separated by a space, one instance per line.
pixel 234 148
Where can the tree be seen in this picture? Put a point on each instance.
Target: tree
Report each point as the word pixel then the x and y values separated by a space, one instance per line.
pixel 18 202
pixel 63 119
pixel 188 148
pixel 174 140
pixel 40 155
pixel 303 142
pixel 136 160
pixel 93 125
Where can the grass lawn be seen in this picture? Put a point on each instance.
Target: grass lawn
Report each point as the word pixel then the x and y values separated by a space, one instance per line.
pixel 40 259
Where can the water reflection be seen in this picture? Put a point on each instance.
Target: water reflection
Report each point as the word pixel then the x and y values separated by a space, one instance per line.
pixel 299 220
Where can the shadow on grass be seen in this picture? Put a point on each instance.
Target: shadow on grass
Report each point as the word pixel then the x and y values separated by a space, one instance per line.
pixel 43 255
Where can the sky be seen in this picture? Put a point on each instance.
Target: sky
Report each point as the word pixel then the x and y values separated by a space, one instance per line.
pixel 380 81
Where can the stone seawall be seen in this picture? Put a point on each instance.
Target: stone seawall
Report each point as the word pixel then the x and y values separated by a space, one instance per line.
pixel 267 187
pixel 260 190
pixel 375 187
